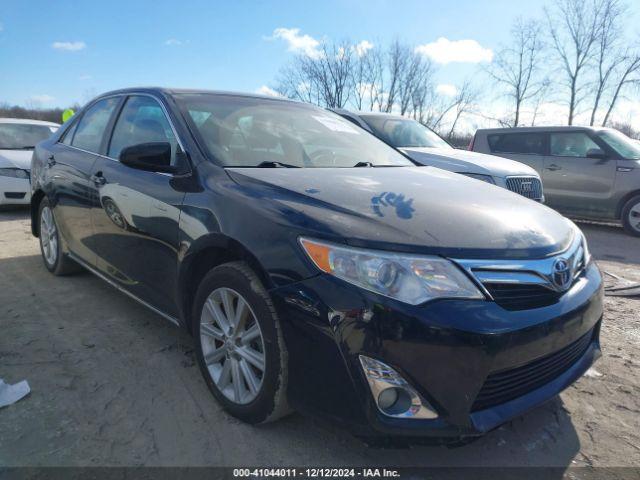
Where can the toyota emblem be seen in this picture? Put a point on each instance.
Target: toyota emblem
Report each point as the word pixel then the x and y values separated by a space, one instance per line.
pixel 561 275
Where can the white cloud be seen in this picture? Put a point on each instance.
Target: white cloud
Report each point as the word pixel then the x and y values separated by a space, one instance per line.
pixel 446 51
pixel 44 98
pixel 446 89
pixel 85 77
pixel 363 47
pixel 297 43
pixel 264 90
pixel 69 46
pixel 173 42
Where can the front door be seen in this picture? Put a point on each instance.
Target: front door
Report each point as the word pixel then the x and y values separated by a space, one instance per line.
pixel 574 183
pixel 136 219
pixel 69 166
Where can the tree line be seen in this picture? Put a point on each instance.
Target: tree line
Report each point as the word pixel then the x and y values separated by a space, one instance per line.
pixel 578 56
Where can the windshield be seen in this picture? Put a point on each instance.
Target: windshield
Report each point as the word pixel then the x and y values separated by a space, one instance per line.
pixel 22 136
pixel 403 132
pixel 255 132
pixel 622 144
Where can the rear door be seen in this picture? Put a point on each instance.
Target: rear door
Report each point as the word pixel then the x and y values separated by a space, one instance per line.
pixel 69 169
pixel 526 147
pixel 136 217
pixel 573 183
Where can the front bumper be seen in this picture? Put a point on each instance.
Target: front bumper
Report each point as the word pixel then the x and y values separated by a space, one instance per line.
pixel 15 191
pixel 445 349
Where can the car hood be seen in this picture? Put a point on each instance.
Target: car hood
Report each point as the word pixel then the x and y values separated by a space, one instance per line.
pixel 16 159
pixel 415 209
pixel 464 161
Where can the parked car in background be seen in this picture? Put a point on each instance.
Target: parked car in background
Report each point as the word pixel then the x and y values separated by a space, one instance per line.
pixel 426 147
pixel 591 173
pixel 316 266
pixel 18 138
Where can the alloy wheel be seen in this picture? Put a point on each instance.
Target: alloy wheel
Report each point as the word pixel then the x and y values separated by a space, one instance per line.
pixel 232 345
pixel 634 217
pixel 48 236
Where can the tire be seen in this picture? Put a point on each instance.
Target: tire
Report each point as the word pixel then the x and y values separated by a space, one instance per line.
pixel 631 216
pixel 224 355
pixel 55 260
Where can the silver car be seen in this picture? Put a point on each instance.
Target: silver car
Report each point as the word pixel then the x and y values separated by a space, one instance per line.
pixel 425 147
pixel 590 173
pixel 17 140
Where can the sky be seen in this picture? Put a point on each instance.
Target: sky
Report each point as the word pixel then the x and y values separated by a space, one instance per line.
pixel 64 52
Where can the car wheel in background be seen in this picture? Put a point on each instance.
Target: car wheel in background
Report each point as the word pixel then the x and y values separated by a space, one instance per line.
pixel 631 216
pixel 240 348
pixel 50 246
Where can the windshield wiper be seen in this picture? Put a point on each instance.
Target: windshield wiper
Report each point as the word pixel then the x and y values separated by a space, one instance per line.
pixel 363 164
pixel 275 165
pixel 26 147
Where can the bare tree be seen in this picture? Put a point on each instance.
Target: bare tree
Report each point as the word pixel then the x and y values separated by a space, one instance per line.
pixel 397 60
pixel 539 99
pixel 609 55
pixel 464 103
pixel 368 71
pixel 324 79
pixel 573 28
pixel 627 76
pixel 517 66
pixel 415 83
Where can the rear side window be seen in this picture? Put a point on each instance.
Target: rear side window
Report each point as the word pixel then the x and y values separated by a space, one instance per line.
pixel 531 143
pixel 90 129
pixel 68 135
pixel 142 121
pixel 571 144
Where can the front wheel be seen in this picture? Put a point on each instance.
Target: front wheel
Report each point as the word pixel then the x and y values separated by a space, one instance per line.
pixel 631 216
pixel 50 246
pixel 240 349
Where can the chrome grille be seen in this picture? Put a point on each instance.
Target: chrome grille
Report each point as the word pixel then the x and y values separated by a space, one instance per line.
pixel 528 284
pixel 529 187
pixel 515 296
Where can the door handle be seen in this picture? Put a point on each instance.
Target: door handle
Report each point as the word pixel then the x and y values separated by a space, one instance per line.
pixel 553 167
pixel 51 160
pixel 98 179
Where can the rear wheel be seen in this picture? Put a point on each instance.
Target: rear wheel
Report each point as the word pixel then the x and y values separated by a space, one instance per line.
pixel 239 344
pixel 631 216
pixel 50 246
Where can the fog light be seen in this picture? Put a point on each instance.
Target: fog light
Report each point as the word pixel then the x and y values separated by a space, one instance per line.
pixel 393 395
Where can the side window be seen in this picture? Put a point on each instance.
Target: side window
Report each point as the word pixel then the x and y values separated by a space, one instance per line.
pixel 571 144
pixel 68 135
pixel 142 120
pixel 531 143
pixel 90 129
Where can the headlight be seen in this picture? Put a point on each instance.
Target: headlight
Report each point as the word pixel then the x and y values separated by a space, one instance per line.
pixel 477 176
pixel 13 172
pixel 412 279
pixel 585 248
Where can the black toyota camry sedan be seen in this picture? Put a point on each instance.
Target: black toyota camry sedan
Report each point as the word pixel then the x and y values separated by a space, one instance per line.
pixel 317 268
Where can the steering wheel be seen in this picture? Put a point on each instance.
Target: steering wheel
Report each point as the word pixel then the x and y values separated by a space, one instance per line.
pixel 324 156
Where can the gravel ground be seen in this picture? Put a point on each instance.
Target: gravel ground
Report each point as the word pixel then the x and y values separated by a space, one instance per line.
pixel 114 384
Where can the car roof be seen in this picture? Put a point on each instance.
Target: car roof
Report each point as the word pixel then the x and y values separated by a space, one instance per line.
pixel 554 128
pixel 29 121
pixel 178 91
pixel 361 113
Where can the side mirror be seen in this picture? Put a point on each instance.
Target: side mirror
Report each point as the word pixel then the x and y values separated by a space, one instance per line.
pixel 596 153
pixel 152 157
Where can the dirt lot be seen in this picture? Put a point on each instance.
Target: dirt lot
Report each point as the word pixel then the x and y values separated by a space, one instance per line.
pixel 114 384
